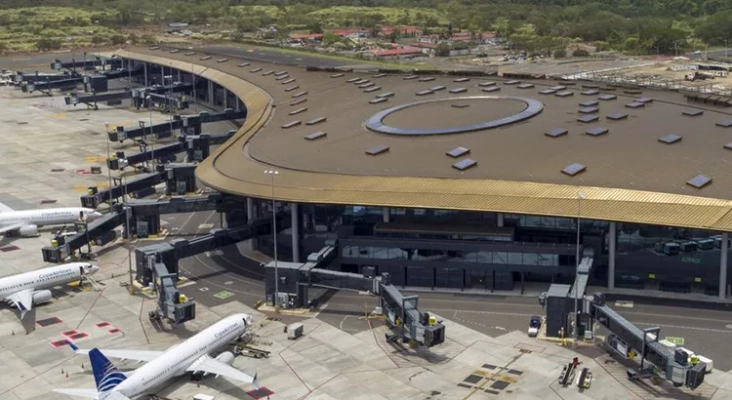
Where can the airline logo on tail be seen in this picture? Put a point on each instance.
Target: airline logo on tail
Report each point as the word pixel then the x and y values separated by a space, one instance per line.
pixel 106 375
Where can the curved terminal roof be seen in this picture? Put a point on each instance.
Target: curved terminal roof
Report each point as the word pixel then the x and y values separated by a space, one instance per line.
pixel 644 157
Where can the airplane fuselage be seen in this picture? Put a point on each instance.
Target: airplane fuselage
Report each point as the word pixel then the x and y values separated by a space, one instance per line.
pixel 41 279
pixel 176 360
pixel 44 217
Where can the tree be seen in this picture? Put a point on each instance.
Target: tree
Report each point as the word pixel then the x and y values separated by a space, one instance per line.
pixel 561 53
pixel 501 27
pixel 315 27
pixel 442 50
pixel 526 37
pixel 330 38
pixel 47 44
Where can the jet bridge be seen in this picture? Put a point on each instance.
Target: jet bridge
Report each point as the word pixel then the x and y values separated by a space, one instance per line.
pixel 92 99
pixel 189 123
pixel 94 62
pixel 95 197
pixel 197 148
pixel 65 247
pixel 401 312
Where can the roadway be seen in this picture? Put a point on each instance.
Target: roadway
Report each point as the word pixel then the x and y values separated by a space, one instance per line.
pixel 293 57
pixel 226 275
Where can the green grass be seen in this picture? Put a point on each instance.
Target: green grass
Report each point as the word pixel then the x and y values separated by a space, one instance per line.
pixel 391 15
pixel 270 11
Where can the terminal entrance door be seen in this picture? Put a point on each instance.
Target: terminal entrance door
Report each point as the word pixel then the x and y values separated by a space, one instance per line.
pixel 479 279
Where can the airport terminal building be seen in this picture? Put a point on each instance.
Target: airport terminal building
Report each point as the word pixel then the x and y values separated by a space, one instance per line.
pixel 473 182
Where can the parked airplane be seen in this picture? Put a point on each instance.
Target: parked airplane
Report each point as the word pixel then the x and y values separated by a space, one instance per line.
pixel 189 356
pixel 31 288
pixel 26 223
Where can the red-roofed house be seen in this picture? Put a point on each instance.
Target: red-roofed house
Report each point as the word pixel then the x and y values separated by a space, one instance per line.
pixel 351 33
pixel 402 30
pixel 404 52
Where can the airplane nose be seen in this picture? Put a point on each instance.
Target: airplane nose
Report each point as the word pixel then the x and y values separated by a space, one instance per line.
pixel 93 269
pixel 96 215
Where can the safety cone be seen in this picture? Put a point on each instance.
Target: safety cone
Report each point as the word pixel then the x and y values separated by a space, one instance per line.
pixel 67 374
pixel 62 371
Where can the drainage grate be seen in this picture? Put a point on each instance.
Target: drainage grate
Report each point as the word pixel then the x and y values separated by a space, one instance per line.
pixel 48 321
pixel 22 123
pixel 57 170
pixel 48 201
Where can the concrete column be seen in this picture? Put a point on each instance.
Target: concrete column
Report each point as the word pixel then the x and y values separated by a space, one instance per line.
pixel 294 213
pixel 211 93
pixel 250 217
pixel 499 220
pixel 147 80
pixel 238 105
pixel 180 76
pixel 723 266
pixel 385 214
pixel 226 99
pixel 611 256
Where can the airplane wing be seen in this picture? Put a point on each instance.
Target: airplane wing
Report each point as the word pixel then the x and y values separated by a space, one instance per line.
pixel 212 366
pixel 137 355
pixel 86 393
pixel 11 228
pixel 23 300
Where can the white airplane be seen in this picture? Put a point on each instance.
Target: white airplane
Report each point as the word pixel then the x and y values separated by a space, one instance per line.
pixel 189 356
pixel 31 288
pixel 26 223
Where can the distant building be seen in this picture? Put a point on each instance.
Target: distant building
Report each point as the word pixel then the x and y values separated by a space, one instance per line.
pixel 306 36
pixel 177 27
pixel 402 52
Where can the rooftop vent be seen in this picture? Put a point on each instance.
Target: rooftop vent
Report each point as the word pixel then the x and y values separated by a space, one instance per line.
pixel 465 164
pixel 372 89
pixel 437 88
pixel 190 53
pixel 424 92
pixel 693 113
pixel 590 92
pixel 288 81
pixel 244 64
pixel 512 82
pixel 525 86
pixel 281 77
pixel 670 139
pixel 589 86
pixel 635 104
pixel 204 58
pixel 728 146
pixel 280 73
pixel 588 118
pixel 291 88
pixel 588 110
pixel 491 89
pixel 175 51
pixel 291 124
pixel 377 150
pixel 458 152
pixel 617 116
pixel 410 77
pixel 725 124
pixel 316 121
pixel 315 135
pixel 298 101
pixel 379 76
pixel 607 97
pixel 362 80
pixel 547 91
pixel 222 60
pixel 564 93
pixel 487 84
pixel 597 131
pixel 378 100
pixel 644 100
pixel 458 90
pixel 460 105
pixel 460 80
pixel 573 169
pixel 385 94
pixel 589 103
pixel 298 111
pixel 338 75
pixel 558 88
pixel 556 132
pixel 366 84
pixel 427 79
pixel 699 181
pixel 253 70
pixel 299 94
pixel 353 80
pixel 267 73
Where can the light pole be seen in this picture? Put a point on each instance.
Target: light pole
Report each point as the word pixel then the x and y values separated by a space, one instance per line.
pixel 272 173
pixel 152 133
pixel 580 196
pixel 109 171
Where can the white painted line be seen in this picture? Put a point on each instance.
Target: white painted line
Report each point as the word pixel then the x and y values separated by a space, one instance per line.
pixel 205 226
pixel 229 283
pixel 203 289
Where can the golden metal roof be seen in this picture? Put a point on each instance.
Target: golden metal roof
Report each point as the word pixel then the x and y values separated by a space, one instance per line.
pixel 238 165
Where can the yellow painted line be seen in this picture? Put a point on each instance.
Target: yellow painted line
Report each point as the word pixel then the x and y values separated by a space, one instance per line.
pixel 59 115
pixel 96 159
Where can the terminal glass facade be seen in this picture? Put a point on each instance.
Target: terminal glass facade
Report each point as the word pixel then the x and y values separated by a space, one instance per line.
pixel 472 250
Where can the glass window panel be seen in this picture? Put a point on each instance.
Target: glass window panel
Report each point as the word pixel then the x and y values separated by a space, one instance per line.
pixel 500 257
pixel 514 258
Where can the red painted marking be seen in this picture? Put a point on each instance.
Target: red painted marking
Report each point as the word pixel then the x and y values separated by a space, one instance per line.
pixel 59 343
pixel 48 321
pixel 70 333
pixel 115 330
pixel 103 324
pixel 260 393
pixel 78 336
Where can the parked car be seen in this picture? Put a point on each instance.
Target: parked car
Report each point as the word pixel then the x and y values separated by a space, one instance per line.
pixel 534 326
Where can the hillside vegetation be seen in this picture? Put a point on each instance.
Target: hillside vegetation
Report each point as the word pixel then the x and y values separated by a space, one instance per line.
pixel 634 26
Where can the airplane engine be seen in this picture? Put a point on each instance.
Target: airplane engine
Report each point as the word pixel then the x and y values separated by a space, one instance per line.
pixel 42 296
pixel 226 357
pixel 28 230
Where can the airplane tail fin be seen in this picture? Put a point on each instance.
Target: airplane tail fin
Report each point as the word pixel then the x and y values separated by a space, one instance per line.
pixel 106 375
